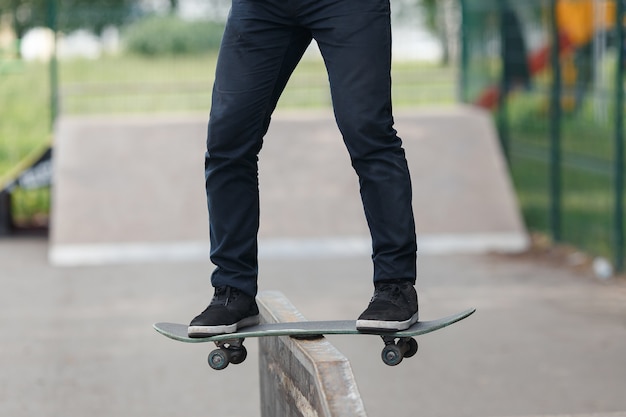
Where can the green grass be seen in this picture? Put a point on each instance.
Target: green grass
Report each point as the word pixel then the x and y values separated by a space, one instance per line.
pixel 24 114
pixel 587 202
pixel 587 188
pixel 131 84
pixel 31 208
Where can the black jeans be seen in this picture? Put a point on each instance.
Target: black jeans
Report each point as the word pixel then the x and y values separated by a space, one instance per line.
pixel 262 44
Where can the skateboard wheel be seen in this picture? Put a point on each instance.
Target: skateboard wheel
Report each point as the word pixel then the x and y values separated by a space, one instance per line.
pixel 238 355
pixel 392 355
pixel 412 348
pixel 218 359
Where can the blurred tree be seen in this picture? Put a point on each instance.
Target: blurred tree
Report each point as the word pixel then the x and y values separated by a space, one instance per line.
pixel 72 14
pixel 25 14
pixel 94 14
pixel 430 15
pixel 173 6
pixel 441 18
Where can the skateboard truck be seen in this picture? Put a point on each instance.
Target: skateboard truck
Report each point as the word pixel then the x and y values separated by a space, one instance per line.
pixel 228 351
pixel 394 351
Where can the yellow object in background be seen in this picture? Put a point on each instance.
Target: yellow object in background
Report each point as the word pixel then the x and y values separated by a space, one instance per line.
pixel 577 18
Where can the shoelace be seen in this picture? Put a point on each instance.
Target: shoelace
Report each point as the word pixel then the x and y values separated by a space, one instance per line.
pixel 387 292
pixel 223 295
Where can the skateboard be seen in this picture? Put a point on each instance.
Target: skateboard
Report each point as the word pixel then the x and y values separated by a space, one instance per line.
pixel 230 349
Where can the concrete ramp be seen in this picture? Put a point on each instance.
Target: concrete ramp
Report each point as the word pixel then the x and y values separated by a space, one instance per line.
pixel 463 197
pixel 127 189
pixel 132 188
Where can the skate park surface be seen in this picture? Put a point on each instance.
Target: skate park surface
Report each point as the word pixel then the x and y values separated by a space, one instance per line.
pixel 547 339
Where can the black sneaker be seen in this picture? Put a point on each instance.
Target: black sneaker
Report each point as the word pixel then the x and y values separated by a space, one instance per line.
pixel 230 309
pixel 393 307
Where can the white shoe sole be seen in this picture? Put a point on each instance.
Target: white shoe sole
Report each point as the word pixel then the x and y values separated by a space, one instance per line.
pixel 386 325
pixel 206 331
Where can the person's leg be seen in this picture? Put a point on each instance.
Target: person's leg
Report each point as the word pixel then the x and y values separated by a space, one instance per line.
pixel 259 51
pixel 355 40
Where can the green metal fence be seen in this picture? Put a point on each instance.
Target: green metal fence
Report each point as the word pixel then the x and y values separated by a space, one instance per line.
pixel 552 72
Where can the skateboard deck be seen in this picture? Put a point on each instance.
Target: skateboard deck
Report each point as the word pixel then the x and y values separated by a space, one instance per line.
pixel 398 345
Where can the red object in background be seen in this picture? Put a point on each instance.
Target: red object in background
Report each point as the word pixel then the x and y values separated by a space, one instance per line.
pixel 537 62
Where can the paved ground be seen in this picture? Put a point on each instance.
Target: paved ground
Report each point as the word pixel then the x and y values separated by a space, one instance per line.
pixel 78 342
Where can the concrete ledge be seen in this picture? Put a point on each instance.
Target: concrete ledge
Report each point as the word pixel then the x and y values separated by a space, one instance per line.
pixel 302 377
